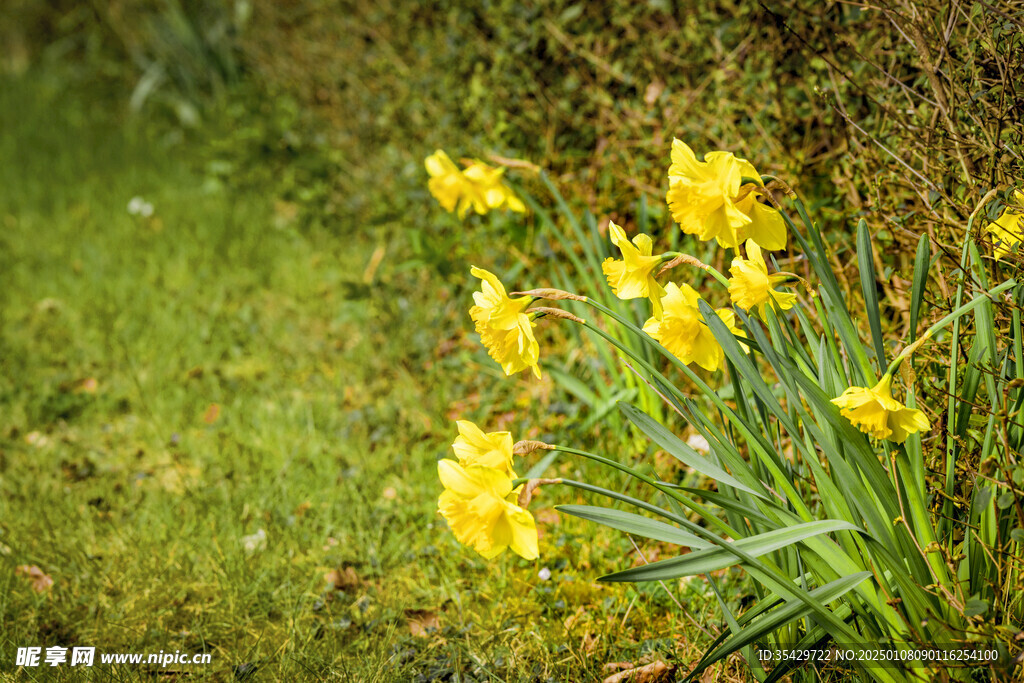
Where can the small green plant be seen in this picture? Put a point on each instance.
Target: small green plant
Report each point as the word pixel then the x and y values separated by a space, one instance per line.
pixel 820 487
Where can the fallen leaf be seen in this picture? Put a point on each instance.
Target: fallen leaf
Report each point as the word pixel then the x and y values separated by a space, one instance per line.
pixel 571 620
pixel 649 673
pixel 421 622
pixel 40 581
pixel 342 579
pixel 87 386
pixel 302 507
pixel 211 414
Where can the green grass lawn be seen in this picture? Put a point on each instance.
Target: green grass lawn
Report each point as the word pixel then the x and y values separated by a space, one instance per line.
pixel 208 415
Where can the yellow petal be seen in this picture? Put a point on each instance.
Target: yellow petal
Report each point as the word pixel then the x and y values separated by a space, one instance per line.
pixel 617 235
pixel 515 203
pixel 905 422
pixel 523 533
pixel 439 164
pixel 684 161
pixel 456 479
pixel 767 227
pixel 644 244
pixel 474 447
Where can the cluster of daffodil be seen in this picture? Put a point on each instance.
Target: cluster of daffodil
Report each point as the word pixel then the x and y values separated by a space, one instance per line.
pixel 477 186
pixel 721 198
pixel 827 451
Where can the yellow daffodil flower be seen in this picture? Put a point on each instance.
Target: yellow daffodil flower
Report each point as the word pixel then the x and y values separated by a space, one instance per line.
pixel 751 287
pixel 488 190
pixel 479 187
pixel 473 447
pixel 446 183
pixel 633 276
pixel 875 412
pixel 1008 229
pixel 505 329
pixel 681 328
pixel 478 504
pixel 707 200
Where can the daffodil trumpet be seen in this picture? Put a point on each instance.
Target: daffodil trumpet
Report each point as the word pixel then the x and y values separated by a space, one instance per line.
pixel 504 326
pixel 681 327
pixel 876 413
pixel 479 505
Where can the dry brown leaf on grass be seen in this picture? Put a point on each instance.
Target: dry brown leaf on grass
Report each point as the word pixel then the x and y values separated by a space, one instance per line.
pixel 211 414
pixel 571 620
pixel 38 579
pixel 649 673
pixel 89 385
pixel 342 579
pixel 421 622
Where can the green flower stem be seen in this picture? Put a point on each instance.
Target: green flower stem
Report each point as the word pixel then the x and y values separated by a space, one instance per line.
pixel 951 317
pixel 669 255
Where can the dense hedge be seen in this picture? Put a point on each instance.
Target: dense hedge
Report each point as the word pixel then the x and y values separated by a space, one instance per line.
pixel 911 112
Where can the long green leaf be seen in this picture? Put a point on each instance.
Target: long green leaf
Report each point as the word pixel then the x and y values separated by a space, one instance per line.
pixel 634 524
pixel 678 448
pixel 715 558
pixel 780 616
pixel 921 263
pixel 868 286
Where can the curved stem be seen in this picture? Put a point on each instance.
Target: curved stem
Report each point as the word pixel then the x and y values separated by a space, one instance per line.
pixel 697 263
pixel 946 320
